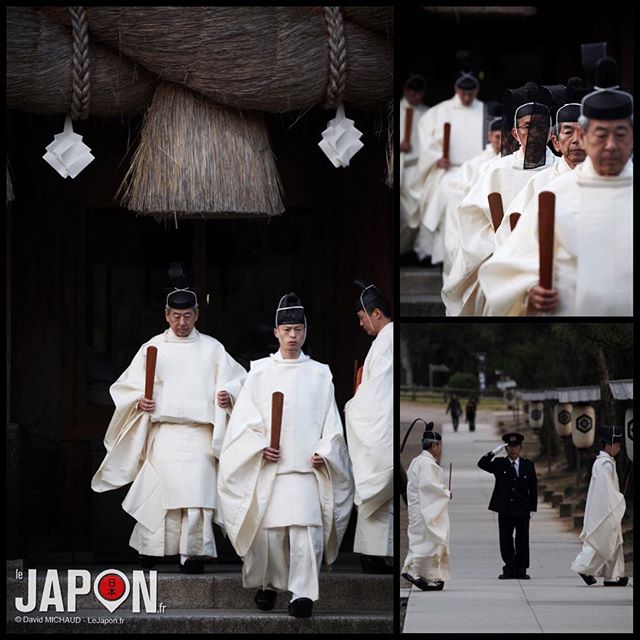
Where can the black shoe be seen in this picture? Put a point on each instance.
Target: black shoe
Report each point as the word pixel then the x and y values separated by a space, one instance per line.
pixel 301 608
pixel 265 599
pixel 421 583
pixel 374 564
pixel 620 582
pixel 588 579
pixel 507 575
pixel 148 562
pixel 522 574
pixel 438 586
pixel 192 565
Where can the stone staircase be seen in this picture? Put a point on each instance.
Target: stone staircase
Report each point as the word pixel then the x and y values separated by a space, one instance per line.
pixel 213 602
pixel 420 289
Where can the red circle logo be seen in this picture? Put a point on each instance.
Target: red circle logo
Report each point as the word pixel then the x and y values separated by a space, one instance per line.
pixel 111 586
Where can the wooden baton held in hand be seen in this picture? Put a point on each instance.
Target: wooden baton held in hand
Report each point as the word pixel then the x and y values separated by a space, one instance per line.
pixel 513 220
pixel 445 142
pixel 496 209
pixel 152 355
pixel 546 220
pixel 277 400
pixel 408 123
pixel 358 378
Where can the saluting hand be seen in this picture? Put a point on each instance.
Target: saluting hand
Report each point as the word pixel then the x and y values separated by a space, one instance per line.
pixel 317 461
pixel 271 454
pixel 145 404
pixel 224 399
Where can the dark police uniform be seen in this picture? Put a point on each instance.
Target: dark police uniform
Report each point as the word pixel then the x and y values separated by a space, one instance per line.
pixel 514 497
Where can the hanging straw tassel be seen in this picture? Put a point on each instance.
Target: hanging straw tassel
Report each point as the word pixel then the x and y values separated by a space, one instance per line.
pixel 200 159
pixel 389 155
pixel 10 193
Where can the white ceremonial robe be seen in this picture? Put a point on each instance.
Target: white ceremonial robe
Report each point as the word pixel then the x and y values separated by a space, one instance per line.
pixel 369 422
pixel 593 249
pixel 171 454
pixel 527 198
pixel 428 527
pixel 463 181
pixel 602 551
pixel 466 141
pixel 505 175
pixel 263 503
pixel 409 204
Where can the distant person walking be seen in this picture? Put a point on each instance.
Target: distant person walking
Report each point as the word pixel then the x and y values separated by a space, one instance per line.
pixel 470 409
pixel 456 411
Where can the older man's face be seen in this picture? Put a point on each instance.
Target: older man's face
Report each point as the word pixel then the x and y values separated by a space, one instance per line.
pixel 181 321
pixel 609 144
pixel 568 143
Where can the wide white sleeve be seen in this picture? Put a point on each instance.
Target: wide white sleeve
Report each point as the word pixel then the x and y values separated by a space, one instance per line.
pixel 243 477
pixel 335 480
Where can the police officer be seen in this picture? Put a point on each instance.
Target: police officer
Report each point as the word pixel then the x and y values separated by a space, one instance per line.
pixel 515 494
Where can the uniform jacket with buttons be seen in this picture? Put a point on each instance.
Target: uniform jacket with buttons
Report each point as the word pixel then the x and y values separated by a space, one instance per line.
pixel 514 496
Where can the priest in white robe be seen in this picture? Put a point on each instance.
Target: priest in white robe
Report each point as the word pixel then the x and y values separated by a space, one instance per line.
pixel 506 176
pixel 470 172
pixel 412 109
pixel 369 423
pixel 465 113
pixel 602 552
pixel 593 240
pixel 169 445
pixel 427 561
pixel 566 140
pixel 286 504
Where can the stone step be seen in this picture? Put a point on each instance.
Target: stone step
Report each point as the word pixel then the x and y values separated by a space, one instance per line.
pixel 426 306
pixel 338 590
pixel 201 621
pixel 420 281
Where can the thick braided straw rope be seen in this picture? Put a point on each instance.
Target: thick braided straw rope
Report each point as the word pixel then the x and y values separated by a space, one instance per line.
pixel 337 57
pixel 80 74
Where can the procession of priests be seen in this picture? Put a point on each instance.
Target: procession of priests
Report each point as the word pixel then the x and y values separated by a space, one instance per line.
pixel 479 211
pixel 262 455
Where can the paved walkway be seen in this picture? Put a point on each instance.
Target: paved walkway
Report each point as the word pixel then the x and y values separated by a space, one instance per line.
pixel 555 600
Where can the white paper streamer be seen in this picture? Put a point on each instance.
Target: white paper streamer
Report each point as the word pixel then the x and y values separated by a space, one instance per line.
pixel 340 140
pixel 67 154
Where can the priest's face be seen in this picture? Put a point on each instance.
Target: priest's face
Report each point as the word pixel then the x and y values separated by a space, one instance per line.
pixel 291 338
pixel 369 322
pixel 495 138
pixel 613 449
pixel 467 96
pixel 568 143
pixel 181 321
pixel 513 451
pixel 609 144
pixel 530 132
pixel 414 98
